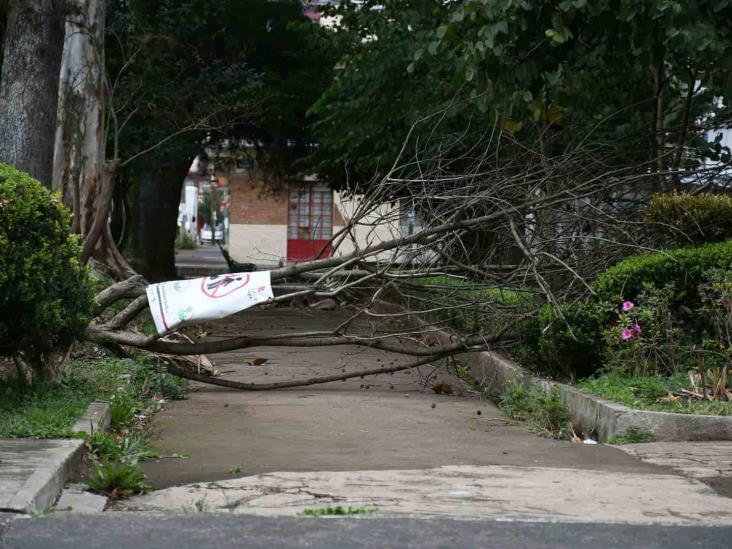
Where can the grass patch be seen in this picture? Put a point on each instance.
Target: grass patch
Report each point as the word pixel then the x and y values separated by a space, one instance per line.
pixel 482 308
pixel 632 436
pixel 545 412
pixel 338 511
pixel 135 389
pixel 41 411
pixel 50 410
pixel 651 393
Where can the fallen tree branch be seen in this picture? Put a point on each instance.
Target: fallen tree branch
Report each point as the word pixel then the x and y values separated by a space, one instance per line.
pixel 181 372
pixel 314 339
pixel 128 314
pixel 129 288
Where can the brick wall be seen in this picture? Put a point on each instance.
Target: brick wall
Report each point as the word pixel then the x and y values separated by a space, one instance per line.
pixel 257 203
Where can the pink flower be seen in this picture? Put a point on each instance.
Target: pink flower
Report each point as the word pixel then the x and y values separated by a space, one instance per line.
pixel 626 334
pixel 627 306
pixel 637 329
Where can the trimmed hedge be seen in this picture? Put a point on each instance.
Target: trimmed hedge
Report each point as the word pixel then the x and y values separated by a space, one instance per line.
pixel 567 347
pixel 691 218
pixel 45 292
pixel 682 268
pixel 574 347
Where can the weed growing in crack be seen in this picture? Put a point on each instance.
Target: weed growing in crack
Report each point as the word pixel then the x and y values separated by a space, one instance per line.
pixel 632 435
pixel 545 412
pixel 118 479
pixel 338 511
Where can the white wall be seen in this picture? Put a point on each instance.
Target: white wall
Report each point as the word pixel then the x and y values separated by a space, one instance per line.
pixel 264 245
pixel 377 226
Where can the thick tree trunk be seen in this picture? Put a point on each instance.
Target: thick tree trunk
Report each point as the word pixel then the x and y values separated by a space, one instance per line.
pixel 81 173
pixel 33 42
pixel 154 220
pixel 79 146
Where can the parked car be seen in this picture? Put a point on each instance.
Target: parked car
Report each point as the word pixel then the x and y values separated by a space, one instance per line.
pixel 206 233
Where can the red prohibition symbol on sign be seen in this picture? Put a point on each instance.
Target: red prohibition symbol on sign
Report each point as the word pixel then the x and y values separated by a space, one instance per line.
pixel 223 285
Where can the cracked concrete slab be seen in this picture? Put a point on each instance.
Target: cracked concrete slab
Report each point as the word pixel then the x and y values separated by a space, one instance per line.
pixel 75 498
pixel 710 462
pixel 489 492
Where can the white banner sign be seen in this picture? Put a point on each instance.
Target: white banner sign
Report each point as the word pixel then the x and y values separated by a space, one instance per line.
pixel 199 299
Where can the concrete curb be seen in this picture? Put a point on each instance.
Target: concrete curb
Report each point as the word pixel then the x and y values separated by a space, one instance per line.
pixel 603 417
pixel 41 489
pixel 96 419
pixel 596 415
pixel 50 462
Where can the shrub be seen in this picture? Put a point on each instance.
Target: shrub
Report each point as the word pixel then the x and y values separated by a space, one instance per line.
pixel 563 345
pixel 471 306
pixel 646 338
pixel 687 218
pixel 45 292
pixel 681 269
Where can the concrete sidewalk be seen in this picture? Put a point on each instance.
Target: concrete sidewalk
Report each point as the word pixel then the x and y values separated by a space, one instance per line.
pixel 205 260
pixel 378 423
pixel 480 493
pixel 710 462
pixel 33 472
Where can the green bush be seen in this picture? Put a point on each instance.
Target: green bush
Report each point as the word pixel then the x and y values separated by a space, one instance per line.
pixel 686 218
pixel 681 269
pixel 574 346
pixel 567 345
pixel 647 337
pixel 45 292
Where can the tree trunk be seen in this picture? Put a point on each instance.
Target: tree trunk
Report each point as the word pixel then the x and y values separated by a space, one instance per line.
pixel 33 42
pixel 154 220
pixel 79 146
pixel 658 123
pixel 80 172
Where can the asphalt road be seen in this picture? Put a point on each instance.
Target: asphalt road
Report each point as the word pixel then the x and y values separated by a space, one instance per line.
pixel 221 531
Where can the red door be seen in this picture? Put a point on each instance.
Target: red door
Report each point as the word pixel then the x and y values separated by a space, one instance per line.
pixel 309 223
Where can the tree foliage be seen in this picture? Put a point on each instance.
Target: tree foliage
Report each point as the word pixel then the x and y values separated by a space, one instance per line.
pixel 645 76
pixel 192 68
pixel 190 74
pixel 45 293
